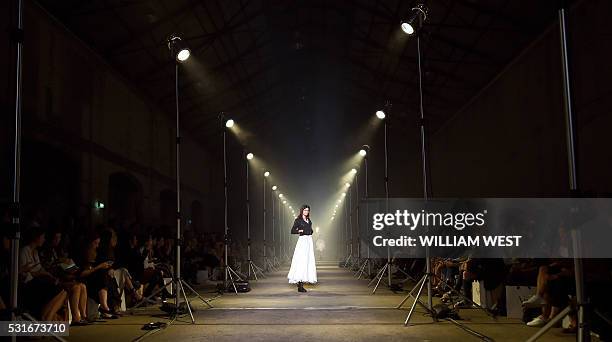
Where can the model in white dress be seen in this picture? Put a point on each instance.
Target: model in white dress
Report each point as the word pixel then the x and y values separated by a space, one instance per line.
pixel 303 268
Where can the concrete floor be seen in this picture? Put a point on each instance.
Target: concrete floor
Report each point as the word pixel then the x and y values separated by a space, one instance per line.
pixel 338 308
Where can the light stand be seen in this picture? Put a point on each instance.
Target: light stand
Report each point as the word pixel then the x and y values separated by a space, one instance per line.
pixel 266 261
pixel 582 324
pixel 349 210
pixel 420 14
pixel 229 272
pixel 367 262
pixel 251 266
pixel 274 261
pixel 176 48
pixel 358 258
pixel 16 314
pixel 281 224
pixel 387 266
pixel 284 238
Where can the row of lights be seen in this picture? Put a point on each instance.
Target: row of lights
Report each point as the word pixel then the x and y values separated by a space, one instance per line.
pixel 281 196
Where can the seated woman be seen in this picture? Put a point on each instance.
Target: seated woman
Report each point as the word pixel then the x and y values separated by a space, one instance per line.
pixel 119 272
pixel 152 275
pixel 96 275
pixel 63 268
pixel 39 286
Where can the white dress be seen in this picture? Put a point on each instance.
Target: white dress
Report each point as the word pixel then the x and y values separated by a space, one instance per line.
pixel 303 266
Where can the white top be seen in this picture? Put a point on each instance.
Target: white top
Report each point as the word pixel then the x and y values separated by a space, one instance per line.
pixel 28 257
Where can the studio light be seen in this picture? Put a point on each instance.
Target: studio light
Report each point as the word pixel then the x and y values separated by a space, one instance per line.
pixel 362 153
pixel 266 174
pixel 284 202
pixel 229 123
pixel 408 26
pixel 343 194
pixel 280 195
pixel 353 171
pixel 249 156
pixel 274 187
pixel 347 185
pixel 178 48
pixel 380 114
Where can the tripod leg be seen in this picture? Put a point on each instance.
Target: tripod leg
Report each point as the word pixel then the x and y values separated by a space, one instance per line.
pixel 147 299
pixel 382 274
pixel 182 290
pixel 238 276
pixel 231 280
pixel 198 295
pixel 410 293
pixel 261 270
pixel 251 268
pixel 377 275
pixel 424 280
pixel 360 270
pixel 408 276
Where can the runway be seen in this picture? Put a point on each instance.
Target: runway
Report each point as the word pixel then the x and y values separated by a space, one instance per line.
pixel 338 308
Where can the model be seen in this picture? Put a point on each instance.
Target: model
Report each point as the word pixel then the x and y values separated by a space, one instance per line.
pixel 303 268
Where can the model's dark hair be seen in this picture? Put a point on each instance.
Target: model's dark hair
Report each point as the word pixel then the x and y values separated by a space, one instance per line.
pixel 302 210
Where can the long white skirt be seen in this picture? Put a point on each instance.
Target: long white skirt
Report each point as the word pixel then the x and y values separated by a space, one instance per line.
pixel 303 266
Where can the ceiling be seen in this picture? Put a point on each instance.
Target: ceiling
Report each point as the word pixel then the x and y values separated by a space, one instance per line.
pixel 308 74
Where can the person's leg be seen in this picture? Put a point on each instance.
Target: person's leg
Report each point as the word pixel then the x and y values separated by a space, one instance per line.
pixel 50 309
pixel 542 280
pixel 542 288
pixel 103 296
pixel 75 297
pixel 83 300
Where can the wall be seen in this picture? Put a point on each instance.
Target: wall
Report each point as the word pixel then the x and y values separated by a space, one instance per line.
pixel 86 112
pixel 510 140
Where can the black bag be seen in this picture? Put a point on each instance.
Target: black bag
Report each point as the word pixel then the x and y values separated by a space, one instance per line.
pixel 241 286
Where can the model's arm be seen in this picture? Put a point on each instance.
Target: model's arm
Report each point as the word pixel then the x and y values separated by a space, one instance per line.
pixel 296 229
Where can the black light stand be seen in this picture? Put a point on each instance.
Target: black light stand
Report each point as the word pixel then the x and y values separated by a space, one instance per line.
pixel 15 209
pixel 387 266
pixel 266 262
pixel 273 262
pixel 175 46
pixel 229 273
pixel 251 266
pixel 349 210
pixel 420 14
pixel 284 236
pixel 358 240
pixel 582 324
pixel 368 261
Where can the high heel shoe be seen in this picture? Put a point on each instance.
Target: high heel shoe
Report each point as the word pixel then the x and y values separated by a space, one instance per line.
pixel 301 287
